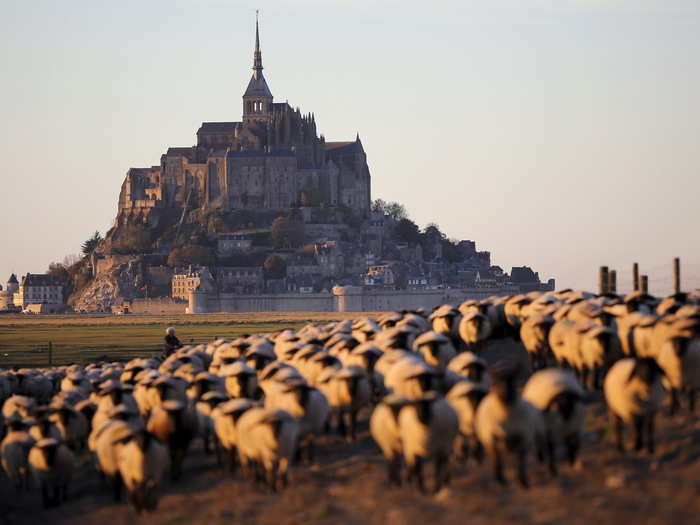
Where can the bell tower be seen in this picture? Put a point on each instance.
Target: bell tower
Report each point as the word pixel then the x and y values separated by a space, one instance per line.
pixel 257 99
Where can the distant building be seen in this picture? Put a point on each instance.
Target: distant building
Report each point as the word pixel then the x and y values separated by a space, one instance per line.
pixel 7 295
pixel 193 279
pixel 40 289
pixel 230 243
pixel 240 280
pixel 380 275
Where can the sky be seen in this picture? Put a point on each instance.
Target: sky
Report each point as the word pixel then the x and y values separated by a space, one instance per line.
pixel 558 134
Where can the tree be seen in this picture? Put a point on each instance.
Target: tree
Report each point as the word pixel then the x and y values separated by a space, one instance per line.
pixel 287 232
pixel 396 211
pixel 407 231
pixel 91 244
pixel 432 232
pixel 134 240
pixel 275 267
pixel 59 270
pixel 192 254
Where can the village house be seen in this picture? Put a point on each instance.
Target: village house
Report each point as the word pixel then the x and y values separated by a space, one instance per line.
pixel 40 293
pixel 190 280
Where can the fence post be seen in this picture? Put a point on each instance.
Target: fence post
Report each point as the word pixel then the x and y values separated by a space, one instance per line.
pixel 50 353
pixel 645 284
pixel 676 275
pixel 603 280
pixel 635 276
pixel 612 281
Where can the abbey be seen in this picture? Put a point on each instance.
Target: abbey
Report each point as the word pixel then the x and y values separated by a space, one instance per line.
pixel 271 159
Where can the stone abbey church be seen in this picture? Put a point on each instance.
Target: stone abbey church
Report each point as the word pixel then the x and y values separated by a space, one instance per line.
pixel 271 159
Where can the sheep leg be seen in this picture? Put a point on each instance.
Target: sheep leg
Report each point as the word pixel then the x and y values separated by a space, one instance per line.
pixel 479 452
pixel 551 455
pixel 342 430
pixel 353 424
pixel 117 486
pixel 418 471
pixel 272 476
pixel 232 460
pixel 675 402
pixel 498 467
pixel 650 433
pixel 522 468
pixel 638 432
pixel 394 470
pixel 573 443
pixel 585 378
pixel 442 472
pixel 619 432
pixel 691 399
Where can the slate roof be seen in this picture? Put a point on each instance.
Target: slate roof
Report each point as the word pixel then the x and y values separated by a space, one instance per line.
pixel 12 279
pixel 40 279
pixel 257 87
pixel 217 127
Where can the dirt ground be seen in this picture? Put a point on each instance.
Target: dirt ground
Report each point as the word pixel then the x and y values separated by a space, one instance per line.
pixel 347 485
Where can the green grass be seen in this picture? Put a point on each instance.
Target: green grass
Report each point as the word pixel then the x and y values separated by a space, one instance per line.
pixel 28 345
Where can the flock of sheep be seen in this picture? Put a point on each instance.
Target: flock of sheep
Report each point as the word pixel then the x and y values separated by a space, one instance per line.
pixel 261 401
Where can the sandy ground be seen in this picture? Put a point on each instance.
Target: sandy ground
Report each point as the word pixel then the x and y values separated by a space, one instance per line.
pixel 347 485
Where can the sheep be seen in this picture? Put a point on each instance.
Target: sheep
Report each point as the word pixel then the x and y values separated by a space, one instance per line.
pixel 384 428
pixel 205 407
pixel 22 405
pixel 428 427
pixel 410 377
pixel 506 423
pixel 107 442
pixel 34 385
pixel 445 320
pixel 309 406
pixel 77 381
pixel 559 396
pixel 111 394
pixel 464 397
pixel 43 426
pixel 474 330
pixel 143 465
pixel 680 360
pixel 267 437
pixel 225 417
pixel 14 451
pixel 72 425
pixel 436 349
pixel 51 464
pixel 634 393
pixel 175 425
pixel 205 382
pixel 534 334
pixel 240 380
pixel 347 390
pixel 468 366
pixel 600 347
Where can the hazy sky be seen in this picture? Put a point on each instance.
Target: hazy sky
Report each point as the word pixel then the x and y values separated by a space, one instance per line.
pixel 560 134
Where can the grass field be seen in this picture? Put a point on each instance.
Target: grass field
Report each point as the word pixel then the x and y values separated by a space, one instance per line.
pixel 24 339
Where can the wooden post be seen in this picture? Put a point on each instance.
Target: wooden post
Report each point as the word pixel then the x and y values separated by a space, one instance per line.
pixel 676 275
pixel 635 276
pixel 612 281
pixel 645 284
pixel 603 280
pixel 50 353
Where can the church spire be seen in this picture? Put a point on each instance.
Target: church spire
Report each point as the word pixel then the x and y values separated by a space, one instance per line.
pixel 257 56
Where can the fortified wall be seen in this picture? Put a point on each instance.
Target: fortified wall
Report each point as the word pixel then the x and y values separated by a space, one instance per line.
pixel 341 299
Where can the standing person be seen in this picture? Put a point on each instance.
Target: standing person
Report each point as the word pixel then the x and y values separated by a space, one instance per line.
pixel 172 343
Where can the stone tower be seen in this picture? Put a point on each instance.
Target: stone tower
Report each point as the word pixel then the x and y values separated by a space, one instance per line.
pixel 257 99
